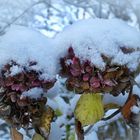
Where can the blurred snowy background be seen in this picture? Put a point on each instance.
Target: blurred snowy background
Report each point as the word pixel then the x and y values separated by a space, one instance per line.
pixel 50 17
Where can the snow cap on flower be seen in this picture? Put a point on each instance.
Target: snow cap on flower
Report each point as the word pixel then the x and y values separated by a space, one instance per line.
pixel 24 45
pixel 93 38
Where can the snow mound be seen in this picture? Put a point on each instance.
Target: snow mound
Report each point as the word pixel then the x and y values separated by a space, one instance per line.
pixel 24 45
pixel 93 38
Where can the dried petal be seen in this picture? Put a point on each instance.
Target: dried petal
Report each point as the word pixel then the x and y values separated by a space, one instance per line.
pixel 95 82
pixel 86 77
pixel 85 85
pixel 108 82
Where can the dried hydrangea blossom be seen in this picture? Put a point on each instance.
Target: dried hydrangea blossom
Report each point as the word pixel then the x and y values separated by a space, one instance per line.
pixel 99 56
pixel 22 101
pixel 82 76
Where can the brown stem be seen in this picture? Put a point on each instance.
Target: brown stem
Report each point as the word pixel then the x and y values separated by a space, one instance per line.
pixel 79 130
pixel 15 135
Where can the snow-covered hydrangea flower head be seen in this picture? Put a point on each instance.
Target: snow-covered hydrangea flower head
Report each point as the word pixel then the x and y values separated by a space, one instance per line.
pixel 26 73
pixel 93 38
pixel 99 56
pixel 102 55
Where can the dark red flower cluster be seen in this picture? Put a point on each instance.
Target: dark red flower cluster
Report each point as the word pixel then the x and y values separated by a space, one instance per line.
pixel 82 76
pixel 22 81
pixel 18 110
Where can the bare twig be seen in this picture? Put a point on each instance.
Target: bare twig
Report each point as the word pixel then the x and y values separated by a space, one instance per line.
pixel 112 115
pixel 25 11
pixel 101 123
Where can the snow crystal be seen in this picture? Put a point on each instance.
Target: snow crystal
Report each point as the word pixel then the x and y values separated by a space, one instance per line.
pixel 93 37
pixel 33 93
pixel 24 45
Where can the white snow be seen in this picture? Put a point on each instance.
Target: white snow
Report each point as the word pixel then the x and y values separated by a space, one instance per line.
pixel 136 89
pixel 56 89
pixel 23 45
pixel 15 70
pixel 55 133
pixel 91 136
pixel 33 93
pixel 119 100
pixel 93 37
pixel 135 109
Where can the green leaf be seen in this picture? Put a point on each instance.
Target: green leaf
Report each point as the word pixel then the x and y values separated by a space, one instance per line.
pixel 58 112
pixel 89 108
pixel 72 136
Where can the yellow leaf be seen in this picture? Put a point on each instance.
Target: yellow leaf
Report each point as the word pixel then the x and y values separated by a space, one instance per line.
pixel 37 137
pixel 89 109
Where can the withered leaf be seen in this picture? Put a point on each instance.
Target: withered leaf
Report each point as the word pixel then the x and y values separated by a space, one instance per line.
pixel 126 109
pixel 119 73
pixel 45 122
pixel 125 79
pixel 109 75
pixel 22 102
pixel 85 85
pixel 107 89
